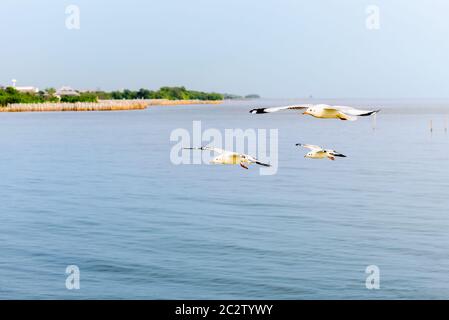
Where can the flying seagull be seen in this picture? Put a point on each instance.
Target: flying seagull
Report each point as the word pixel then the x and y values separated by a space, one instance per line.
pixel 322 111
pixel 320 153
pixel 229 157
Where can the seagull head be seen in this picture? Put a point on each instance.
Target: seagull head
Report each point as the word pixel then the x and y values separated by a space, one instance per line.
pixel 308 111
pixel 216 160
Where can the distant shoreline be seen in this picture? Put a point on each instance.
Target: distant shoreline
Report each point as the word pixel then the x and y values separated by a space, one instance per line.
pixel 102 105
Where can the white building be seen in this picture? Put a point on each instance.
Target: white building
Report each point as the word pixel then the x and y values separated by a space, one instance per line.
pixel 66 91
pixel 27 89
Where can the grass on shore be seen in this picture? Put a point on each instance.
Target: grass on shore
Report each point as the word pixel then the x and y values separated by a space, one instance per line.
pixel 104 105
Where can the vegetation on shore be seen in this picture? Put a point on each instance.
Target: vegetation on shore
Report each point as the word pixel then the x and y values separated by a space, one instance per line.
pixel 101 105
pixel 111 105
pixel 11 96
pixel 169 93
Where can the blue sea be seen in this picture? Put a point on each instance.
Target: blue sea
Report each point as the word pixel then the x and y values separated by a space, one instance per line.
pixel 98 190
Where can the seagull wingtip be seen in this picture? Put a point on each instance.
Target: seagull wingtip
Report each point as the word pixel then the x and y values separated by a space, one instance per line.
pixel 258 110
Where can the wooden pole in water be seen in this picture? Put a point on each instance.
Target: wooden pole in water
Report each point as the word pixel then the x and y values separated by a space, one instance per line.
pixel 431 126
pixel 374 121
pixel 445 125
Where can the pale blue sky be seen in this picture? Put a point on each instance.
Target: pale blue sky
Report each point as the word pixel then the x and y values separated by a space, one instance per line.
pixel 282 48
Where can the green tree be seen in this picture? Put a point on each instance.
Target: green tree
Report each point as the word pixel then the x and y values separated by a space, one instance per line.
pixel 50 91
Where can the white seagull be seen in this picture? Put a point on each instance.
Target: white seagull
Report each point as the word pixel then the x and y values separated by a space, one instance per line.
pixel 322 111
pixel 229 157
pixel 320 153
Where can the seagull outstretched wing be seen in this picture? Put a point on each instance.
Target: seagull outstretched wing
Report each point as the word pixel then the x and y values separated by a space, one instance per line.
pixel 350 111
pixel 276 109
pixel 310 146
pixel 217 150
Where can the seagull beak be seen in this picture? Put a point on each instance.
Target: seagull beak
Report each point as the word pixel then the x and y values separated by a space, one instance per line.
pixel 305 112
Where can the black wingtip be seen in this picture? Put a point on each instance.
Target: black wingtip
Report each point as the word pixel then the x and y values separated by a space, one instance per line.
pixel 266 165
pixel 258 110
pixel 263 164
pixel 193 148
pixel 370 113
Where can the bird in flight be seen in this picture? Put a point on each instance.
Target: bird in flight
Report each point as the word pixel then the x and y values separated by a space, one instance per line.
pixel 317 152
pixel 229 157
pixel 322 111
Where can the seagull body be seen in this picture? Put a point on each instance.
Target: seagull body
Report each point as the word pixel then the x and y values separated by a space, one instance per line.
pixel 317 152
pixel 229 157
pixel 322 111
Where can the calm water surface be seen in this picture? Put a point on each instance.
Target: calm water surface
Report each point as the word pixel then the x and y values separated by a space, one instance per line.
pixel 98 190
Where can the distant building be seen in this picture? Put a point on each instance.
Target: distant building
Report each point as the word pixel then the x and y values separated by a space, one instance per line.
pixel 66 91
pixel 27 89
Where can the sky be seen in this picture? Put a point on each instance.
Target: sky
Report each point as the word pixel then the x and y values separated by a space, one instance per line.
pixel 275 48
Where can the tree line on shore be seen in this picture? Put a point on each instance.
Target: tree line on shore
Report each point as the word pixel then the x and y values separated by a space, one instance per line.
pixel 10 95
pixel 169 93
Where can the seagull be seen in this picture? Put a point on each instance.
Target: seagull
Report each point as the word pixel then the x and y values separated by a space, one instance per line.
pixel 320 153
pixel 322 111
pixel 229 157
